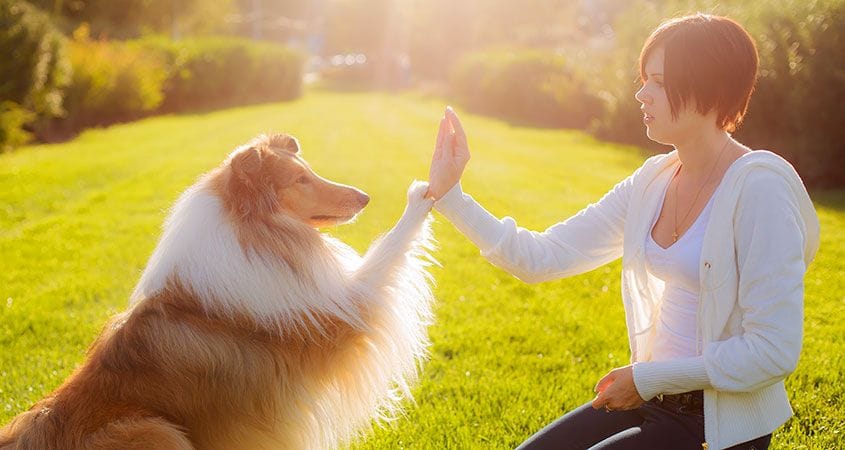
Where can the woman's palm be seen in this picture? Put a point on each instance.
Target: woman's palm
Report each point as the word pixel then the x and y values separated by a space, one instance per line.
pixel 451 154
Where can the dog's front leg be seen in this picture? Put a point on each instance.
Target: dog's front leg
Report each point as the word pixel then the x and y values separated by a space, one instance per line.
pixel 407 240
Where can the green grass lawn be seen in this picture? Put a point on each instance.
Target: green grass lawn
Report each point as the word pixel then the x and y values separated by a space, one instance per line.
pixel 79 220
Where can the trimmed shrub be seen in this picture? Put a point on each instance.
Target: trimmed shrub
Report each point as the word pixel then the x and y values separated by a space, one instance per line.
pixel 116 81
pixel 33 69
pixel 113 81
pixel 526 86
pixel 212 72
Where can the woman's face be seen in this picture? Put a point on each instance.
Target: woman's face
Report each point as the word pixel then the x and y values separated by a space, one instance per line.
pixel 657 115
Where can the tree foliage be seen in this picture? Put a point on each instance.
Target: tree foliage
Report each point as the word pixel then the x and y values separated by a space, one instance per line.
pixel 33 70
pixel 34 67
pixel 131 18
pixel 796 108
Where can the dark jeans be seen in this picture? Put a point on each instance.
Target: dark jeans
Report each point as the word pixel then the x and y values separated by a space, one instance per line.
pixel 648 427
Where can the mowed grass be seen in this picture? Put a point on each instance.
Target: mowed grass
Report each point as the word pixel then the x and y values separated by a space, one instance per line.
pixel 79 220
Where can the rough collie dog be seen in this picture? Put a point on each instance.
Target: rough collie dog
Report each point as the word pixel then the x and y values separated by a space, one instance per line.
pixel 249 329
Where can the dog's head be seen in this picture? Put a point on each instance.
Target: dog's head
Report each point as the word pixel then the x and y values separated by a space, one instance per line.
pixel 269 176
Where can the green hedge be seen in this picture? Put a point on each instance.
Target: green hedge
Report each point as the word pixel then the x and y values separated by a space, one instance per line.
pixel 211 72
pixel 33 70
pixel 56 88
pixel 526 86
pixel 113 81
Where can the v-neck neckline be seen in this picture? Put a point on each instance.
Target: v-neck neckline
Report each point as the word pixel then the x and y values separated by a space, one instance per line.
pixel 697 218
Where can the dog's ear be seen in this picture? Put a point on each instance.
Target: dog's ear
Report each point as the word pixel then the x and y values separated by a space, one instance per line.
pixel 285 142
pixel 246 164
pixel 251 190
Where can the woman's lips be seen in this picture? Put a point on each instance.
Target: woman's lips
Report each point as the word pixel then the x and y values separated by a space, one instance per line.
pixel 647 119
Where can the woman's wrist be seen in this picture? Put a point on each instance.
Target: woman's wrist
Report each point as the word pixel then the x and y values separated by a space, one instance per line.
pixel 451 196
pixel 670 377
pixel 470 218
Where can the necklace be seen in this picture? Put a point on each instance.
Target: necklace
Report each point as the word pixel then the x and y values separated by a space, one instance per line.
pixel 692 204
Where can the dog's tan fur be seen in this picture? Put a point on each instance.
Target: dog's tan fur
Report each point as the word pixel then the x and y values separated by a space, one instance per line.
pixel 173 373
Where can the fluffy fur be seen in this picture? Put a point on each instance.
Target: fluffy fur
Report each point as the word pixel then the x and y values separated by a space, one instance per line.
pixel 249 329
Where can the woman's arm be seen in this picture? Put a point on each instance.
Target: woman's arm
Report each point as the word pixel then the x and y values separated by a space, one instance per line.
pixel 769 234
pixel 587 240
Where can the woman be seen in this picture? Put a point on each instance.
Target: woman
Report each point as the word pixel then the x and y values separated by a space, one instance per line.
pixel 715 240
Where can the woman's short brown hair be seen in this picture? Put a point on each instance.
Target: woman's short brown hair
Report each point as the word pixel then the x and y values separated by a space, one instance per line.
pixel 710 60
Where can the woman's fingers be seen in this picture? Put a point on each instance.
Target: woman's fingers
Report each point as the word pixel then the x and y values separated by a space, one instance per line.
pixel 455 122
pixel 450 155
pixel 441 139
pixel 460 149
pixel 604 382
pixel 599 401
pixel 617 390
pixel 601 389
pixel 443 132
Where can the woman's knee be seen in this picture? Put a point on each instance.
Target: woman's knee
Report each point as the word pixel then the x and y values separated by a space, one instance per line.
pixel 581 428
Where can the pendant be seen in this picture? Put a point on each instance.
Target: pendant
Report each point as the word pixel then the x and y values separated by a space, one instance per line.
pixel 675 236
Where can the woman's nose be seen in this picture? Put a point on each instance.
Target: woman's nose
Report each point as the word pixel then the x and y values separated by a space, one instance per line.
pixel 643 97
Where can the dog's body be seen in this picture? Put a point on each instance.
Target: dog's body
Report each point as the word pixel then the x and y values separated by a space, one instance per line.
pixel 249 329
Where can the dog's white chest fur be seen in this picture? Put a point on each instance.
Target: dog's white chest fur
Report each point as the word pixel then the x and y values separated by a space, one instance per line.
pixel 384 295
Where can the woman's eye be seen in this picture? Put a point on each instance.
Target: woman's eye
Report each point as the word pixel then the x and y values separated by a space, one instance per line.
pixel 302 180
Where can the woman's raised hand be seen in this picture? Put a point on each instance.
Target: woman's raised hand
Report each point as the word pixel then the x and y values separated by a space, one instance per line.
pixel 451 154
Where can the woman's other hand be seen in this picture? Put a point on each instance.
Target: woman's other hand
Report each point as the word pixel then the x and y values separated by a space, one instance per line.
pixel 617 391
pixel 451 154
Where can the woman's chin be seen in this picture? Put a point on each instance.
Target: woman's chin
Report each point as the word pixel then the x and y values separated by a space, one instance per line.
pixel 657 137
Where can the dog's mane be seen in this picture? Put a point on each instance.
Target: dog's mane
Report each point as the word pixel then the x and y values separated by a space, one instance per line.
pixel 286 274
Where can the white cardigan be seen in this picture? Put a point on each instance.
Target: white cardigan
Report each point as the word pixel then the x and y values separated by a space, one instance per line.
pixel 761 236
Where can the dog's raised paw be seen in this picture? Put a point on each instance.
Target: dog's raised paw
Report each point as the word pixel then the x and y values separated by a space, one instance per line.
pixel 417 196
pixel 417 190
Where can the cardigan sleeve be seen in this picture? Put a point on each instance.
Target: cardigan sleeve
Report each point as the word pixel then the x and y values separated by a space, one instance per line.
pixel 769 234
pixel 589 239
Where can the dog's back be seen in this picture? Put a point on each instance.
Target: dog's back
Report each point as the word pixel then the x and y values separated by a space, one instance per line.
pixel 94 408
pixel 36 430
pixel 111 401
pixel 167 366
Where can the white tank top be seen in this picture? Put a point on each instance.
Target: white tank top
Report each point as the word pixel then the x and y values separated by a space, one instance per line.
pixel 678 266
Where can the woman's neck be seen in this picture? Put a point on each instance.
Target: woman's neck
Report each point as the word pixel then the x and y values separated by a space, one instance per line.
pixel 701 152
